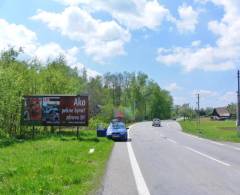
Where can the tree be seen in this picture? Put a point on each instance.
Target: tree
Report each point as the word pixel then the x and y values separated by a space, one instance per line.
pixel 232 108
pixel 135 95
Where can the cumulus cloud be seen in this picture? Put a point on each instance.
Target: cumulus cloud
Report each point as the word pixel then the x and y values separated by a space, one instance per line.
pixel 205 93
pixel 51 51
pixel 71 2
pixel 105 39
pixel 180 100
pixel 133 14
pixel 188 19
pixel 173 87
pixel 215 99
pixel 224 55
pixel 196 43
pixel 208 98
pixel 145 14
pixel 102 39
pixel 228 97
pixel 194 58
pixel 16 36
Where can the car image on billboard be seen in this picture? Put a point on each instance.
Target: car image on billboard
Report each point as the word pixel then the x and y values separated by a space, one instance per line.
pixel 51 110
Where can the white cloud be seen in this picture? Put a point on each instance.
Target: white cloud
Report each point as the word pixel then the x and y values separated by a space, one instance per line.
pixel 215 99
pixel 51 51
pixel 204 93
pixel 188 19
pixel 145 14
pixel 102 39
pixel 194 58
pixel 13 35
pixel 180 100
pixel 228 97
pixel 196 43
pixel 16 36
pixel 90 72
pixel 71 2
pixel 173 87
pixel 208 98
pixel 133 14
pixel 224 55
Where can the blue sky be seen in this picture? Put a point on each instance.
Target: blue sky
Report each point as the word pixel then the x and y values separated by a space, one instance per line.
pixel 188 46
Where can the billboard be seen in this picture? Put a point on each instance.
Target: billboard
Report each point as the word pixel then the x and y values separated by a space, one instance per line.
pixel 55 110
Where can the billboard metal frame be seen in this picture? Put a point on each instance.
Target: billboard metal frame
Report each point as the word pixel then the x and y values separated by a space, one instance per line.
pixel 44 123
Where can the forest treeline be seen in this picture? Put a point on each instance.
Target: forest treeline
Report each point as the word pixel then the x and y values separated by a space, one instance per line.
pixel 134 94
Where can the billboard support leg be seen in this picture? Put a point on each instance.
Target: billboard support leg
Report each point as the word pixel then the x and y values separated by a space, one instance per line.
pixel 77 132
pixel 33 131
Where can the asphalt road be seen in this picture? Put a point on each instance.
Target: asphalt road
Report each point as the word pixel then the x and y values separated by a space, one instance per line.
pixel 164 160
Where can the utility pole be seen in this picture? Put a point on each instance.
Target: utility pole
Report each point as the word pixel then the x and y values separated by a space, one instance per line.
pixel 198 111
pixel 238 102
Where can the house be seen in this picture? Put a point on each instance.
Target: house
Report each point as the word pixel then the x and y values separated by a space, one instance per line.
pixel 220 114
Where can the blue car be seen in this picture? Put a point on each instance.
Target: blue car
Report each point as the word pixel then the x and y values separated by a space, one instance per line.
pixel 117 131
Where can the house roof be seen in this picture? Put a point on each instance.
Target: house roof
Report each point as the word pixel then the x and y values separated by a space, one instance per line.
pixel 222 112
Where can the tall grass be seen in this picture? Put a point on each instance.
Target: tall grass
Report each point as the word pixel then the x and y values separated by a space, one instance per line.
pixel 215 130
pixel 53 165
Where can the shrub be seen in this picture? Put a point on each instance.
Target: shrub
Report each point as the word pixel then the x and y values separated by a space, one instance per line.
pixel 95 121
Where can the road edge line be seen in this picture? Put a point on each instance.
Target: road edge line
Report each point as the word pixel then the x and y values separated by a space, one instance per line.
pixel 207 156
pixel 139 179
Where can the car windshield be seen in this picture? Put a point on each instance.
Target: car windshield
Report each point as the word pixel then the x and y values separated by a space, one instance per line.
pixel 118 126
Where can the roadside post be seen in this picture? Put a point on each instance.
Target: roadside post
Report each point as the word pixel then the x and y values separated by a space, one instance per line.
pixel 33 131
pixel 77 131
pixel 238 103
pixel 198 113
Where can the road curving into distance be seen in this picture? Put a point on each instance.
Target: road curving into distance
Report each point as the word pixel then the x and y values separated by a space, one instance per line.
pixel 164 160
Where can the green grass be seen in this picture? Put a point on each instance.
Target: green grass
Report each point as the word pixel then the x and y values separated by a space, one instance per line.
pixel 214 130
pixel 54 165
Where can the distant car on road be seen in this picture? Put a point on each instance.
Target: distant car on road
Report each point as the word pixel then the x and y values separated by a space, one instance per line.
pixel 117 131
pixel 156 122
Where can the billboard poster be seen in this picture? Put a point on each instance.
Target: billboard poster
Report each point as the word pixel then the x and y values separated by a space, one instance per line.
pixel 55 110
pixel 51 110
pixel 73 110
pixel 32 110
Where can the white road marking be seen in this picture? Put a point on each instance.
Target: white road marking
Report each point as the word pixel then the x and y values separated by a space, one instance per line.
pixel 92 150
pixel 206 140
pixel 232 147
pixel 162 136
pixel 139 179
pixel 236 148
pixel 217 143
pixel 210 141
pixel 171 140
pixel 213 142
pixel 207 156
pixel 193 136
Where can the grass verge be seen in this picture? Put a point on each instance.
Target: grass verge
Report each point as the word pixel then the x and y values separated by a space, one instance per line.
pixel 214 130
pixel 54 165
